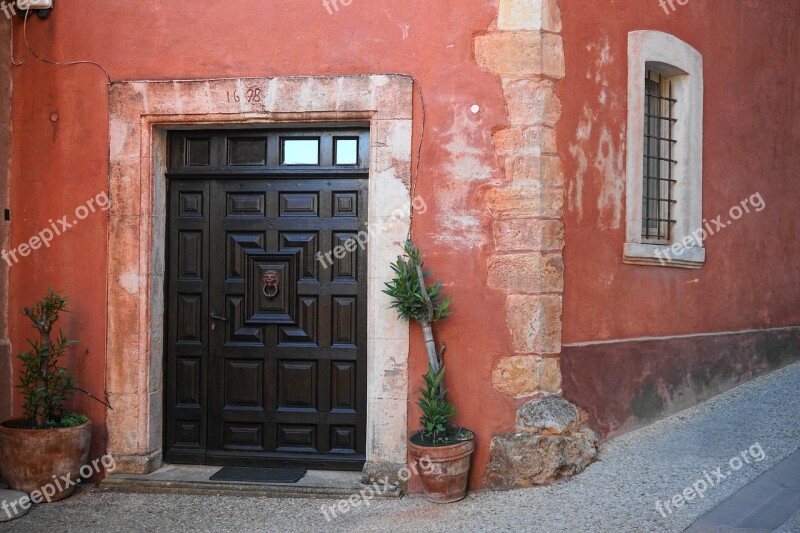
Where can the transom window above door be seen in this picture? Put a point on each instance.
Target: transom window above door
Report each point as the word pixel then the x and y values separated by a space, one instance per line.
pixel 271 150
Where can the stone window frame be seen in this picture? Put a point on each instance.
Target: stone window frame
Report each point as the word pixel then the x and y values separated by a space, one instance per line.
pixel 683 66
pixel 141 114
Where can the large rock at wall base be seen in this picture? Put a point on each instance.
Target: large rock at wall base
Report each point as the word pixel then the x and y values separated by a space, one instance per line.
pixel 520 460
pixel 552 442
pixel 550 415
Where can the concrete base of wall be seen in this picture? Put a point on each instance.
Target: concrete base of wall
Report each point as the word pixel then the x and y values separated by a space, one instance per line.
pixel 629 384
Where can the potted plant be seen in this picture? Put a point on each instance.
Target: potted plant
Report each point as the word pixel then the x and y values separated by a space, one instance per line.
pixel 446 447
pixel 49 444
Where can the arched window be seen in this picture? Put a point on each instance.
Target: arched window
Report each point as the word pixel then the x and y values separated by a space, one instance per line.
pixel 664 190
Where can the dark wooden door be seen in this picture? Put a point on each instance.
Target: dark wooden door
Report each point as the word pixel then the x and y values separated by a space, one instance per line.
pixel 266 339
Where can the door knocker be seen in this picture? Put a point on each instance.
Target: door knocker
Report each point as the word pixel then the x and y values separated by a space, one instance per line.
pixel 272 280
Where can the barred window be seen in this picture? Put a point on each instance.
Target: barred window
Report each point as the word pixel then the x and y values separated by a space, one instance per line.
pixel 658 198
pixel 664 152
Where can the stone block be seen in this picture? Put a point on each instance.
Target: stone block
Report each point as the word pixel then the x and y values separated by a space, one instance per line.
pixel 520 460
pixel 526 200
pixel 525 376
pixel 527 140
pixel 10 507
pixel 528 234
pixel 529 15
pixel 532 101
pixel 545 170
pixel 521 54
pixel 552 441
pixel 535 323
pixel 531 272
pixel 376 471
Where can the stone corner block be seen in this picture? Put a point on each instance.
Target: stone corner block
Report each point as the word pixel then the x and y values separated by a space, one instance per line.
pixel 521 54
pixel 527 272
pixel 525 200
pixel 525 376
pixel 526 140
pixel 529 15
pixel 546 170
pixel 523 234
pixel 535 323
pixel 532 101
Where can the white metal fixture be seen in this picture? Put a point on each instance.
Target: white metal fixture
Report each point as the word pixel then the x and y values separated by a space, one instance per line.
pixel 34 4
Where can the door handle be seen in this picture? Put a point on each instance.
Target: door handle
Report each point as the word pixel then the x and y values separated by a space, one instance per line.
pixel 220 318
pixel 271 282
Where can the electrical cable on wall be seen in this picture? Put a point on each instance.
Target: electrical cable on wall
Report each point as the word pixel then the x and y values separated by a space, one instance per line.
pixel 415 83
pixel 415 177
pixel 57 63
pixel 108 89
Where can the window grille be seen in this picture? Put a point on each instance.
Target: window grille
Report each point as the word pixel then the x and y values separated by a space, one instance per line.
pixel 659 141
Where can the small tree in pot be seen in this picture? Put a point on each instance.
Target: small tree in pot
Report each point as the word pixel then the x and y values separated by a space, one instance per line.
pixel 447 447
pixel 48 443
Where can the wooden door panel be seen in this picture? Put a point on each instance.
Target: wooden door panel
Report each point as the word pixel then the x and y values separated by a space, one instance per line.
pixel 279 377
pixel 288 325
pixel 186 317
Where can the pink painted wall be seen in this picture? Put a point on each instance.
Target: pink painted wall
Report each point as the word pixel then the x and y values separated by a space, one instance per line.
pixel 749 281
pixel 60 162
pixel 750 277
pixel 59 165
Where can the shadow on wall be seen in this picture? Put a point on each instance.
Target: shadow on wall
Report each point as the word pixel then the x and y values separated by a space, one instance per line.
pixel 630 384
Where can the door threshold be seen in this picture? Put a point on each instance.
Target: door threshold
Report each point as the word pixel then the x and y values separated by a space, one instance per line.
pixel 192 479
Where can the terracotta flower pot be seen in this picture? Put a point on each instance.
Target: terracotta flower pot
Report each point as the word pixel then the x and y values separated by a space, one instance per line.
pixel 445 479
pixel 29 458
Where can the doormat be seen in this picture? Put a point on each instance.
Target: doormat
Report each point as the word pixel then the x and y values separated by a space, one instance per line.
pixel 259 475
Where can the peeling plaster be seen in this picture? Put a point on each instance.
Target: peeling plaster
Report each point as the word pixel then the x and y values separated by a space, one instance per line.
pixel 130 281
pixel 582 135
pixel 404 26
pixel 466 143
pixel 610 163
pixel 595 148
pixel 465 157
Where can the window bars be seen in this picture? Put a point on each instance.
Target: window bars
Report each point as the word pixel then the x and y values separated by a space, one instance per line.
pixel 659 141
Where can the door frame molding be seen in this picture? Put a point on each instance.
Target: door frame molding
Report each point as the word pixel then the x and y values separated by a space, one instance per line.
pixel 141 113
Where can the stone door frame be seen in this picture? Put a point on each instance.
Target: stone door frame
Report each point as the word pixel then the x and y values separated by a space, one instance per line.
pixel 141 114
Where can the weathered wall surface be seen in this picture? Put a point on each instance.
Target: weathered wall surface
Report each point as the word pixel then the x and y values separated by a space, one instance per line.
pixel 60 165
pixel 6 387
pixel 475 234
pixel 750 277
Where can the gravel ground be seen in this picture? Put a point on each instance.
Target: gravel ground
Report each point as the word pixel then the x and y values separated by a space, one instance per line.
pixel 616 494
pixel 792 526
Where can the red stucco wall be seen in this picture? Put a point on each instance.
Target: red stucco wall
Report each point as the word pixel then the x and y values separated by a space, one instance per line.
pixel 59 165
pixel 61 162
pixel 749 281
pixel 751 100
